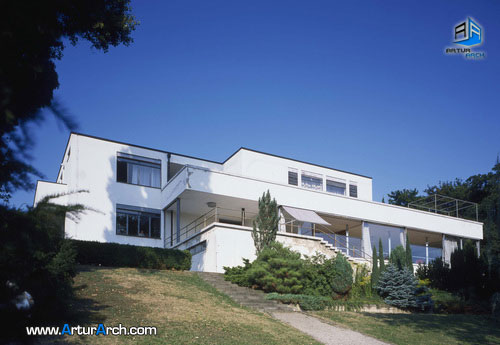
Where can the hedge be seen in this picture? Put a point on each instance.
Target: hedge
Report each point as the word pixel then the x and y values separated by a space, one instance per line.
pixel 124 255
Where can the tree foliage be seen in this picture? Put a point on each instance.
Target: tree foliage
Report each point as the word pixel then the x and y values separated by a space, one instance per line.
pixel 409 255
pixel 375 269
pixel 381 258
pixel 397 287
pixel 403 197
pixel 32 40
pixel 280 269
pixel 265 225
pixel 398 257
pixel 483 189
pixel 35 257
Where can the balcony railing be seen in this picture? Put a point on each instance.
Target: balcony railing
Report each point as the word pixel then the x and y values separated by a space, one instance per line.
pixel 350 246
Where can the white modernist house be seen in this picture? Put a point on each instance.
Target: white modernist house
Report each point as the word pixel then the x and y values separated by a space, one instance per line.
pixel 149 197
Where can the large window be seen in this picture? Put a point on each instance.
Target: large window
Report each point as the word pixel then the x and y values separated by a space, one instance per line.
pixel 135 221
pixel 312 181
pixel 293 177
pixel 335 186
pixel 138 170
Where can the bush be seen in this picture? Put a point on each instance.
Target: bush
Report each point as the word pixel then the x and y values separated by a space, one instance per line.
pixel 341 280
pixel 398 257
pixel 124 255
pixel 397 287
pixel 279 269
pixel 446 302
pixel 362 286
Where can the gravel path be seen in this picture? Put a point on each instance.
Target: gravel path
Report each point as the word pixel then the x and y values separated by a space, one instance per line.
pixel 325 333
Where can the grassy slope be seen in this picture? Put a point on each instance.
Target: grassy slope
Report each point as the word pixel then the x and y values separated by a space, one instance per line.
pixel 420 329
pixel 184 308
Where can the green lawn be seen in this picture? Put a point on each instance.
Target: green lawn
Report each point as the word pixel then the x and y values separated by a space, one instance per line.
pixel 184 308
pixel 420 329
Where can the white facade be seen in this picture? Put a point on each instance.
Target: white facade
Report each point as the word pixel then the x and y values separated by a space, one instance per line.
pixel 208 207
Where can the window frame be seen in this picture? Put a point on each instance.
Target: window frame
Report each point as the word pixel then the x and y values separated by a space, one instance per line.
pixel 140 212
pixel 312 176
pixel 355 185
pixel 140 161
pixel 296 172
pixel 336 180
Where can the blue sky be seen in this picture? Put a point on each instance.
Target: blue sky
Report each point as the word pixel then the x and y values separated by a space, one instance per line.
pixel 362 86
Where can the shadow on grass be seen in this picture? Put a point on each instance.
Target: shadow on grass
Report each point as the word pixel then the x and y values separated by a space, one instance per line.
pixel 471 329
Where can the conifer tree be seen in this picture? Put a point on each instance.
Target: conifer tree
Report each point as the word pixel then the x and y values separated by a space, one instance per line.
pixel 409 256
pixel 381 256
pixel 397 287
pixel 265 225
pixel 375 269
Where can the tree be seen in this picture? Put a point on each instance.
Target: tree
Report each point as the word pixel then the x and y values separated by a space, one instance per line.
pixel 381 259
pixel 341 281
pixel 398 257
pixel 265 225
pixel 375 269
pixel 409 256
pixel 403 197
pixel 397 287
pixel 31 41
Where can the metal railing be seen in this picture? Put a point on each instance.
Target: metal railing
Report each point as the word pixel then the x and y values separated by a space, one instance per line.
pixel 214 215
pixel 445 205
pixel 350 246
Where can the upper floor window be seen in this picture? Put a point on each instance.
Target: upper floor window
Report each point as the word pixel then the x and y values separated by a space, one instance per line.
pixel 335 186
pixel 134 221
pixel 312 181
pixel 293 177
pixel 138 170
pixel 353 190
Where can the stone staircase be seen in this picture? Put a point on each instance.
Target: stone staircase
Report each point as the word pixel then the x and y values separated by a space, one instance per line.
pixel 247 297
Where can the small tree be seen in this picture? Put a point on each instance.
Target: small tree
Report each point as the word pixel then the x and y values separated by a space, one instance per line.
pixel 397 287
pixel 381 256
pixel 265 225
pixel 342 276
pixel 398 257
pixel 375 269
pixel 409 256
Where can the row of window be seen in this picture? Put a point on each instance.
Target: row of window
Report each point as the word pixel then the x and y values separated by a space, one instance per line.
pixel 133 222
pixel 314 181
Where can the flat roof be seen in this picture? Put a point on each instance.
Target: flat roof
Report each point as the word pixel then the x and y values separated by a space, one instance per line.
pixel 203 159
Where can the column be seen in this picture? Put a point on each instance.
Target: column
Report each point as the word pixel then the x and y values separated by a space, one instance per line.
pixel 281 220
pixel 478 244
pixel 365 239
pixel 427 251
pixel 178 220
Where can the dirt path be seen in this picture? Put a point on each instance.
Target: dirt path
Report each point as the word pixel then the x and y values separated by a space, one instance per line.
pixel 325 333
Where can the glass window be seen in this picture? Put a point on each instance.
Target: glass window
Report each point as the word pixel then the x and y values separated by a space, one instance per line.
pixel 312 181
pixel 121 224
pixel 353 190
pixel 136 223
pixel 335 187
pixel 155 226
pixel 144 226
pixel 293 177
pixel 133 224
pixel 138 172
pixel 198 248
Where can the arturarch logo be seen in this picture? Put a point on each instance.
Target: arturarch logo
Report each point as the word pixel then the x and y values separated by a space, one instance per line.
pixel 467 34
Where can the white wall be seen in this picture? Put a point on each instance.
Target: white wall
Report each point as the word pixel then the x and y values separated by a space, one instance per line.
pixel 228 245
pixel 270 168
pixel 44 188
